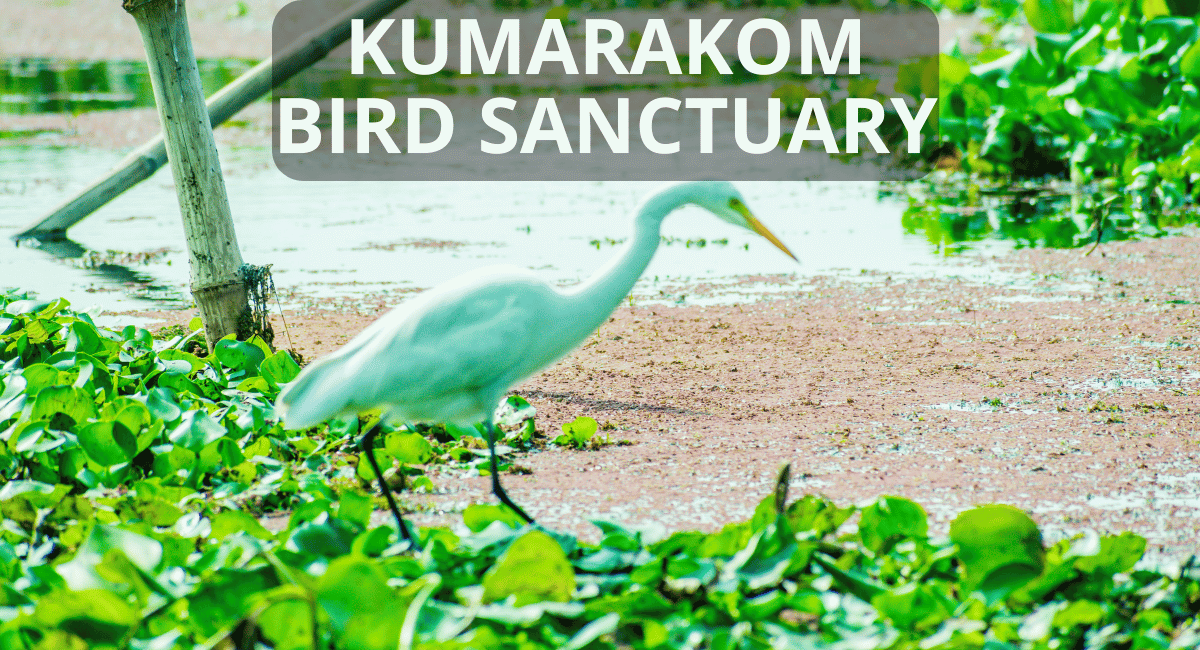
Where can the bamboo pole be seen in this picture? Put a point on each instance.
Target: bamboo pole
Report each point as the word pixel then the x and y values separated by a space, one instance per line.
pixel 213 254
pixel 254 83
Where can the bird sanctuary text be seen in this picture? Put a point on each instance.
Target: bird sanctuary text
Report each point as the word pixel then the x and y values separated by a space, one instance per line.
pixel 584 124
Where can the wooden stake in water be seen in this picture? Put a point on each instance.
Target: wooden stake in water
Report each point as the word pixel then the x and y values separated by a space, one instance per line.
pixel 213 253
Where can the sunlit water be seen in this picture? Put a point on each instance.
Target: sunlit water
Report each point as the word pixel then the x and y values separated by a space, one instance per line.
pixel 348 238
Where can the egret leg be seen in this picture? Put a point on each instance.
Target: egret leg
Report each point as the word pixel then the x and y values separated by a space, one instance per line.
pixel 497 489
pixel 368 447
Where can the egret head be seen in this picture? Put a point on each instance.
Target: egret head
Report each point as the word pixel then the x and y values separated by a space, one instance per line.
pixel 724 200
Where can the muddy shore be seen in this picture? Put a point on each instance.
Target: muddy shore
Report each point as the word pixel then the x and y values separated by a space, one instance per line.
pixel 1068 386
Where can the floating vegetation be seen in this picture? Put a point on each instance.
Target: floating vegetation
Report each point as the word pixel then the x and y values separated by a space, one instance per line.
pixel 96 259
pixel 422 244
pixel 666 241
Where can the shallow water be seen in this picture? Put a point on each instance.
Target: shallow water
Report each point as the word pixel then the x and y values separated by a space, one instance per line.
pixel 350 238
pixel 338 239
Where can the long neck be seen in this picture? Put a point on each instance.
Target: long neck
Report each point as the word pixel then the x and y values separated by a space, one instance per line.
pixel 600 294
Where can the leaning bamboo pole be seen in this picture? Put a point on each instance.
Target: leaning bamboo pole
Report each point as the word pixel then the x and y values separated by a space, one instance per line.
pixel 256 82
pixel 213 255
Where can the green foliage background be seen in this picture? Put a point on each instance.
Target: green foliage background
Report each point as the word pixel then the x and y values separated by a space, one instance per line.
pixel 134 470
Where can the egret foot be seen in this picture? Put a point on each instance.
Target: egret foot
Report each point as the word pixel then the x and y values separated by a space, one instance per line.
pixel 498 489
pixel 368 447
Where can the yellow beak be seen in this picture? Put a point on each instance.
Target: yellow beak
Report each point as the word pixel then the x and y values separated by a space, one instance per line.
pixel 757 227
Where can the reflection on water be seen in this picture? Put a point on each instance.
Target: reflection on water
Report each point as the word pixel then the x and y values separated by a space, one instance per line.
pixel 349 238
pixel 44 85
pixel 952 215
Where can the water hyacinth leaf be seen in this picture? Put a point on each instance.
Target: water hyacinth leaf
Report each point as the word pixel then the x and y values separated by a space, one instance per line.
pixel 1080 613
pixel 998 538
pixel 239 355
pixel 40 331
pixel 82 337
pixel 196 430
pixel 408 447
pixel 25 437
pixel 458 432
pixel 1189 64
pixel 80 572
pixel 1053 16
pixel 287 624
pixel 606 624
pixel 279 368
pixel 355 508
pixel 890 519
pixel 133 416
pixel 817 514
pixel 514 410
pixel 235 521
pixel 162 405
pixel 479 516
pixel 581 427
pixel 108 443
pixel 72 402
pixel 96 616
pixel 231 454
pixel 534 569
pixel 1117 554
pixel 193 362
pixel 1152 9
pixel 914 606
pixel 31 494
pixel 323 536
pixel 363 469
pixel 39 376
pixel 356 596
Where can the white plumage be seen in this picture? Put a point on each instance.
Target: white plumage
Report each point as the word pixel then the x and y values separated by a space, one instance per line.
pixel 451 354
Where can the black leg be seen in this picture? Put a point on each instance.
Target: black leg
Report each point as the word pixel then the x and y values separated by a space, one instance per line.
pixel 497 489
pixel 368 447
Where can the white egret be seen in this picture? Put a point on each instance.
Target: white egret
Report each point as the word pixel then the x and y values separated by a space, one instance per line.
pixel 452 353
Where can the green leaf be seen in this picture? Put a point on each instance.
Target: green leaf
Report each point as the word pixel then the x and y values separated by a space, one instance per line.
pixel 239 355
pixel 606 624
pixel 998 540
pixel 1054 16
pixel 39 376
pixel 362 607
pixel 236 521
pixel 279 368
pixel 1189 64
pixel 96 616
pixel 108 443
pixel 890 519
pixel 914 606
pixel 1118 554
pixel 72 402
pixel 355 507
pixel 408 447
pixel 534 568
pixel 479 516
pixel 80 572
pixel 162 405
pixel 287 624
pixel 194 363
pixel 82 337
pixel 196 430
pixel 1081 613
pixel 1152 9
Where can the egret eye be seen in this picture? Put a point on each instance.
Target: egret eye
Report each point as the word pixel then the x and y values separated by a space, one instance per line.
pixel 735 204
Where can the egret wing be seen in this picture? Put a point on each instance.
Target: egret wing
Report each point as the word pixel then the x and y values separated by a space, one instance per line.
pixel 459 348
